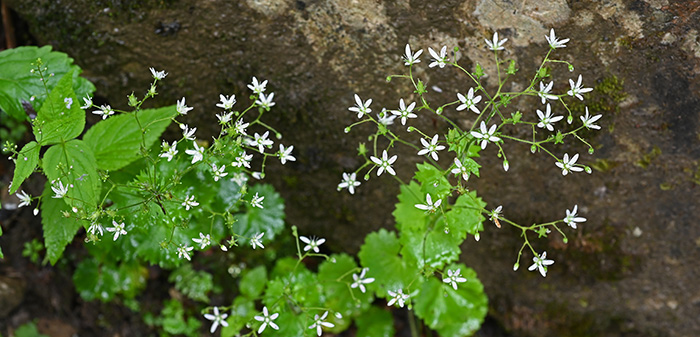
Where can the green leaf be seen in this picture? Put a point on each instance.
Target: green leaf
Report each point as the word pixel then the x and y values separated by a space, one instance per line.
pixel 242 312
pixel 73 163
pixel 58 230
pixel 375 322
pixel 406 214
pixel 380 253
pixel 432 182
pixel 18 84
pixel 465 215
pixel 59 121
pixel 334 274
pixel 511 68
pixel 174 321
pixel 269 219
pixel 195 284
pixel 26 163
pixel 117 140
pixel 436 248
pixel 479 71
pixel 253 282
pixel 453 313
pixel 28 330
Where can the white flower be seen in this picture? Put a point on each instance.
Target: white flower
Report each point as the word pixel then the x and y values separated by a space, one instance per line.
pixel 439 60
pixel 544 92
pixel 60 190
pixel 255 240
pixel 577 88
pixel 318 323
pixel 158 75
pixel 469 102
pixel 267 319
pixel 224 117
pixel 286 154
pixel 411 58
pixel 486 136
pixel 188 133
pixel 349 181
pixel 360 280
pixel 243 160
pixel 257 88
pixel 506 166
pixel 265 102
pixel 118 229
pixel 429 205
pixel 203 241
pixel 589 120
pixel 555 43
pixel 454 277
pixel 312 243
pixel 240 126
pixel 405 112
pixel 257 175
pixel 105 111
pixel 94 228
pixel 546 119
pixel 217 319
pixel 169 151
pixel 24 198
pixel 361 108
pixel 495 215
pixel 541 263
pixel 261 141
pixel 461 169
pixel 68 101
pixel 568 165
pixel 226 102
pixel 385 118
pixel 183 251
pixel 384 163
pixel 197 154
pixel 182 108
pixel 496 44
pixel 397 296
pixel 431 148
pixel 239 178
pixel 88 103
pixel 189 202
pixel 218 172
pixel 257 201
pixel 571 218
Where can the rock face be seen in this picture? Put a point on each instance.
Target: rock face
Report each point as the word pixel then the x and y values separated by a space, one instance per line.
pixel 628 271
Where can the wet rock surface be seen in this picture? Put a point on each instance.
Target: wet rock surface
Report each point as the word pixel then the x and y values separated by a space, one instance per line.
pixel 630 270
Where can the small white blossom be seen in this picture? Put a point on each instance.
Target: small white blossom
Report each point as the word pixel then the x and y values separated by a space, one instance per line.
pixel 461 169
pixel 405 112
pixel 384 163
pixel 577 88
pixel 261 141
pixel 469 102
pixel 411 58
pixel 257 88
pixel 226 102
pixel 243 160
pixel 88 103
pixel 158 75
pixel 349 182
pixel 189 202
pixel 495 215
pixel 431 148
pixel 544 92
pixel 239 178
pixel 240 126
pixel 546 119
pixel 397 297
pixel 319 323
pixel 541 264
pixel 385 118
pixel 361 108
pixel 184 251
pixel 218 172
pixel 188 133
pixel 24 198
pixel 267 319
pixel 94 228
pixel 454 277
pixel 203 241
pixel 496 44
pixel 555 43
pixel 486 136
pixel 197 154
pixel 182 108
pixel 105 111
pixel 439 60
pixel 572 218
pixel 257 201
pixel 285 154
pixel 360 280
pixel 265 102
pixel 312 243
pixel 169 151
pixel 224 117
pixel 118 229
pixel 429 206
pixel 255 240
pixel 60 190
pixel 589 120
pixel 568 165
pixel 68 101
pixel 217 319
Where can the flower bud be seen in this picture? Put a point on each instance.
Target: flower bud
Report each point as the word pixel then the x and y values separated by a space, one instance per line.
pixel 477 237
pixel 438 111
pixel 410 129
pixel 278 135
pixel 506 166
pixel 571 67
pixel 566 240
pixel 388 78
pixel 588 170
pixel 516 266
pixel 590 150
pixel 347 129
pixel 570 119
pixel 366 176
pixel 533 148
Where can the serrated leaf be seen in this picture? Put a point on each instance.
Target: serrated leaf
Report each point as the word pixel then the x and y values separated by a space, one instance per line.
pixel 334 275
pixel 74 165
pixel 471 165
pixel 432 181
pixel 117 140
pixel 195 284
pixel 375 322
pixel 465 215
pixel 253 282
pixel 58 230
pixel 436 248
pixel 18 84
pixel 406 214
pixel 26 163
pixel 59 121
pixel 269 219
pixel 380 253
pixel 453 313
pixel 242 312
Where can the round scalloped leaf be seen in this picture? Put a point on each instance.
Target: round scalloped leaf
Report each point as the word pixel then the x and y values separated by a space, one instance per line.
pixel 380 253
